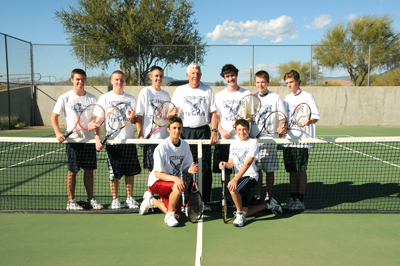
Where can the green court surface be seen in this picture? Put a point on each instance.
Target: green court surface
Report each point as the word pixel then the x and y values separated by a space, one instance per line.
pixel 284 239
pixel 118 239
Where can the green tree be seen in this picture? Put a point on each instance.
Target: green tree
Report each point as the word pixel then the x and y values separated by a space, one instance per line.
pixel 219 83
pixel 117 31
pixel 302 68
pixel 347 46
pixel 390 78
pixel 273 81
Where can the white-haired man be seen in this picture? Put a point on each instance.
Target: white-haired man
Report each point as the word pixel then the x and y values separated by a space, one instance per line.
pixel 196 104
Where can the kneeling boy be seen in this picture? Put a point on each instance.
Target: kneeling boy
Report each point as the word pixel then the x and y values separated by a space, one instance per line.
pixel 243 153
pixel 171 158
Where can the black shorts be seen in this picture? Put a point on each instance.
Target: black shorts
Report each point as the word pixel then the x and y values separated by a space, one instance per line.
pixel 245 185
pixel 81 155
pixel 295 159
pixel 148 156
pixel 122 160
pixel 221 153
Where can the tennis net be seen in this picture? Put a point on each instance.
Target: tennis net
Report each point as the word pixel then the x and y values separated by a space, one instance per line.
pixel 344 174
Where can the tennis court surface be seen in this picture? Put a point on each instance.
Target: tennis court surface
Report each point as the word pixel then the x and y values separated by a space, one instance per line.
pixel 346 175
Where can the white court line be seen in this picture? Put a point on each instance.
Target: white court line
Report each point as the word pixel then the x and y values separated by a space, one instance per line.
pixel 20 147
pixel 335 136
pixel 375 158
pixel 31 159
pixel 388 146
pixel 199 245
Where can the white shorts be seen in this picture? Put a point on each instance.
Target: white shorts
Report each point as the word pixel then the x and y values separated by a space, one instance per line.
pixel 268 155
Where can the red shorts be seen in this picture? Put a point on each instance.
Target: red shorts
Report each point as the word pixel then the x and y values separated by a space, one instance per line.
pixel 164 189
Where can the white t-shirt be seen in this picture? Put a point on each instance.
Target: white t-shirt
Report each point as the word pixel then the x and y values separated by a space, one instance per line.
pixel 194 105
pixel 227 103
pixel 290 102
pixel 239 151
pixel 269 102
pixel 170 159
pixel 71 105
pixel 108 101
pixel 149 99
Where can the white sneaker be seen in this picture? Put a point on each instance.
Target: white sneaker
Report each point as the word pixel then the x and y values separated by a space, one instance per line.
pixel 146 203
pixel 289 205
pixel 170 219
pixel 115 204
pixel 95 204
pixel 298 205
pixel 73 206
pixel 131 203
pixel 240 219
pixel 275 206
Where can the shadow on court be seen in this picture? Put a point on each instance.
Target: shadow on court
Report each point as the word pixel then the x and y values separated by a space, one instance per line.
pixel 341 197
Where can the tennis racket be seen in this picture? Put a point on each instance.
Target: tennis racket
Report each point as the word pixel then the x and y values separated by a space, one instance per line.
pixel 301 114
pixel 273 122
pixel 194 207
pixel 224 203
pixel 119 117
pixel 160 117
pixel 247 108
pixel 87 117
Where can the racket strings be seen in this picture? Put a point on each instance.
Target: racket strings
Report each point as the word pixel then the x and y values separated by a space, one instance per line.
pixel 301 115
pixel 119 116
pixel 160 115
pixel 248 107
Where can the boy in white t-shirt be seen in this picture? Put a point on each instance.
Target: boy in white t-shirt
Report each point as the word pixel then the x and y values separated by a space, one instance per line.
pixel 122 158
pixel 295 155
pixel 149 98
pixel 79 155
pixel 243 154
pixel 172 157
pixel 268 162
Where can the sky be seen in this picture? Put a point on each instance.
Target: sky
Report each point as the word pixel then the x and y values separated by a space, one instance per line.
pixel 277 25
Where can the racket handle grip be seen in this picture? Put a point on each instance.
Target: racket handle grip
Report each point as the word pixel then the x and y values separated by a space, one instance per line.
pixel 67 134
pixel 230 130
pixel 104 141
pixel 148 136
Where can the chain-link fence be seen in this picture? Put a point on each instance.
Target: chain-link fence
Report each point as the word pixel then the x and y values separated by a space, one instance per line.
pixel 16 82
pixel 365 65
pixel 24 65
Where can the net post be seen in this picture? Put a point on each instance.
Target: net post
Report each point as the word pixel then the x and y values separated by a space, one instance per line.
pixel 200 163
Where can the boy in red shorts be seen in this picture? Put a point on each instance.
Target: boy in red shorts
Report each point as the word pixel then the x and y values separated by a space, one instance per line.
pixel 171 158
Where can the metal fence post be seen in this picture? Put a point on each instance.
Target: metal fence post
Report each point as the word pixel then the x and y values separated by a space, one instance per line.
pixel 33 95
pixel 139 66
pixel 369 62
pixel 310 65
pixel 84 57
pixel 252 67
pixel 8 84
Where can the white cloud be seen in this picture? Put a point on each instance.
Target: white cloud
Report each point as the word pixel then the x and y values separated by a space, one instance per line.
pixel 278 29
pixel 320 22
pixel 351 16
pixel 243 41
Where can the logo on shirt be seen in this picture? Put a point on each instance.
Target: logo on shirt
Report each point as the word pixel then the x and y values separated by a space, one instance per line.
pixel 240 155
pixel 77 108
pixel 176 163
pixel 195 105
pixel 154 103
pixel 119 114
pixel 231 110
pixel 262 115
